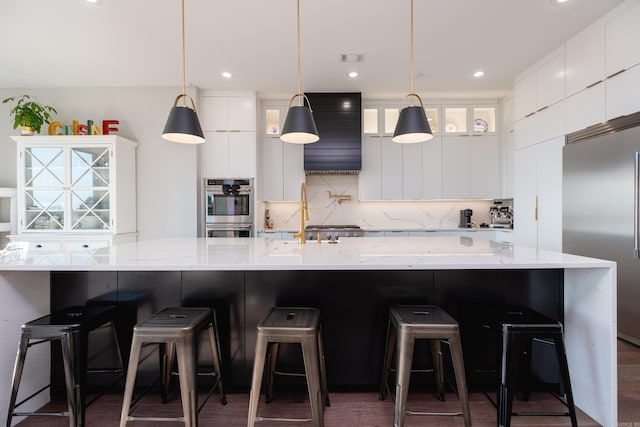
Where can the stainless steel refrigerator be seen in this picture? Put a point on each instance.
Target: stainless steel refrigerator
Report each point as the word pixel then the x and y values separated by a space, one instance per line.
pixel 601 181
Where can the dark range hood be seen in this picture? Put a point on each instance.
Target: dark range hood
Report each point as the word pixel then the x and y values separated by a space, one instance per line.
pixel 338 117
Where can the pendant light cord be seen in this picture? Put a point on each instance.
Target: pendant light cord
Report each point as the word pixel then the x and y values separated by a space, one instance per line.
pixel 184 73
pixel 299 67
pixel 411 68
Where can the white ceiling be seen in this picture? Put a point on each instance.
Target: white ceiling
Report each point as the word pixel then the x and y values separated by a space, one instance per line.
pixel 68 43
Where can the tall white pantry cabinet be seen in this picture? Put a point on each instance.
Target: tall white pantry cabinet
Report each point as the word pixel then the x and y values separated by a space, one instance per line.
pixel 75 192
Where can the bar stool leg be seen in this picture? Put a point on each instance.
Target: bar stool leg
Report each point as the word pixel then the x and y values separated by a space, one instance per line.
pixel 166 353
pixel 323 369
pixel 134 358
pixel 461 382
pixel 272 360
pixel 256 381
pixel 438 366
pixel 215 345
pixel 187 363
pixel 404 352
pixel 311 367
pixel 17 375
pixel 70 357
pixel 564 372
pixel 388 355
pixel 510 359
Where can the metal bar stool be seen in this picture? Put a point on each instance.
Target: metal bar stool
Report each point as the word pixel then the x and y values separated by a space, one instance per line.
pixel 290 325
pixel 70 326
pixel 406 324
pixel 176 330
pixel 518 327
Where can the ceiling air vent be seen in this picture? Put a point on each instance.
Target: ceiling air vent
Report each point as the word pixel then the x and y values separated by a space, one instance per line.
pixel 352 57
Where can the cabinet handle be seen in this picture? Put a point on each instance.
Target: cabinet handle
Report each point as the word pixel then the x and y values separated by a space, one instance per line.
pixel 85 246
pixel 543 108
pixel 530 114
pixel 617 72
pixel 221 130
pixel 636 208
pixel 235 130
pixel 594 84
pixel 536 209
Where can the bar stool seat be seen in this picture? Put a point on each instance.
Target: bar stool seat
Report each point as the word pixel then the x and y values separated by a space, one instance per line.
pixel 175 329
pixel 519 326
pixel 71 326
pixel 406 324
pixel 290 325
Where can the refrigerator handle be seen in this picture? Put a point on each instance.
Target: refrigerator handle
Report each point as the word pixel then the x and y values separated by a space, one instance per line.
pixel 636 207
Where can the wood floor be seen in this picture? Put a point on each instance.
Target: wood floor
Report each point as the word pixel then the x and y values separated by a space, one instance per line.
pixel 364 409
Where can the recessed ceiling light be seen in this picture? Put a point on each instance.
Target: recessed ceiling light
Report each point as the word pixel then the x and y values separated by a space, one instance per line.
pixel 352 74
pixel 478 73
pixel 93 1
pixel 561 1
pixel 226 74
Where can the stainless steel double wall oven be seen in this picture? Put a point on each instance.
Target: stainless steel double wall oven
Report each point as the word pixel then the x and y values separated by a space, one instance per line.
pixel 229 207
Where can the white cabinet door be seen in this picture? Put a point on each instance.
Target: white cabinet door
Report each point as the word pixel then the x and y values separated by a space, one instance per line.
pixel 412 171
pixel 526 132
pixel 432 169
pixel 538 196
pixel 272 169
pixel 550 82
pixel 550 122
pixel 242 113
pixel 585 59
pixel 215 113
pixel 622 36
pixel 549 156
pixel 242 154
pixel 456 167
pixel 525 176
pixel 524 99
pixel 370 176
pixel 485 167
pixel 391 169
pixel 623 93
pixel 215 155
pixel 586 108
pixel 293 165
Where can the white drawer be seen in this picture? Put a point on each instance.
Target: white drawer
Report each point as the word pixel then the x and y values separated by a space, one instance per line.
pixel 81 244
pixel 44 246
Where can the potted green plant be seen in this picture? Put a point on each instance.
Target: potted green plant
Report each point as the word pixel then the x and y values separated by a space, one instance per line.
pixel 29 114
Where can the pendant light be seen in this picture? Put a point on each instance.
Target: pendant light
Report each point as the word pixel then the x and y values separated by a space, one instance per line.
pixel 183 125
pixel 299 126
pixel 412 124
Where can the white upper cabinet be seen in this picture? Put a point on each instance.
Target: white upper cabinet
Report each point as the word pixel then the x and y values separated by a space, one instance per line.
pixel 550 82
pixel 467 120
pixel 229 124
pixel 622 35
pixel 456 169
pixel 623 93
pixel 432 168
pixel 524 99
pixel 585 54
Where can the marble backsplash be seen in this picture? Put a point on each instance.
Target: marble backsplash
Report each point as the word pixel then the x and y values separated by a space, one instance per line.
pixel 370 215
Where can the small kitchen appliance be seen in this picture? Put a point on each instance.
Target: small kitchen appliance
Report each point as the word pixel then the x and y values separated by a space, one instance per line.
pixel 465 218
pixel 501 216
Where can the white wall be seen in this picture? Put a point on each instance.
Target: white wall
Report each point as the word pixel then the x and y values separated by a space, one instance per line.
pixel 166 171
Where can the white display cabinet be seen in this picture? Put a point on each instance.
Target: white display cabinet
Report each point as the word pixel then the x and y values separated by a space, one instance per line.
pixel 75 191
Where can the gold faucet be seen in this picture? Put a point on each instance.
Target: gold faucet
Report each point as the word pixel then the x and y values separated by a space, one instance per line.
pixel 304 214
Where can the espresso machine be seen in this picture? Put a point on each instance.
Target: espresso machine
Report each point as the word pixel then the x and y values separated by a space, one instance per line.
pixel 465 218
pixel 501 216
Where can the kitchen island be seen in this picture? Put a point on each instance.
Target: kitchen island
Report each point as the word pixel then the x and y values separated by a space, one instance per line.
pixel 353 281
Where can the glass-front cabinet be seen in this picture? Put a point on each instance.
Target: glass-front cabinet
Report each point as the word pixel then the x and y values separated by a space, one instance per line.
pixel 76 185
pixel 462 119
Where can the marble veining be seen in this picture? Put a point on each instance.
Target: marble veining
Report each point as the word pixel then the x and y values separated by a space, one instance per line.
pixel 373 215
pixel 390 253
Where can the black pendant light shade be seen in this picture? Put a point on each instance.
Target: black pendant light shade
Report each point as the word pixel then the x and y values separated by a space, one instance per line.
pixel 299 126
pixel 412 126
pixel 183 125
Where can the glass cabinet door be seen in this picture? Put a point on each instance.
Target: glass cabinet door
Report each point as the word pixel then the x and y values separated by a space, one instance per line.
pixel 89 188
pixel 44 178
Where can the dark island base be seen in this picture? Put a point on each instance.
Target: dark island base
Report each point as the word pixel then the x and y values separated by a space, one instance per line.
pixel 354 307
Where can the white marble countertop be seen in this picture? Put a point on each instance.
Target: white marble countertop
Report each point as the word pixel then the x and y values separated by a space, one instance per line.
pixel 364 253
